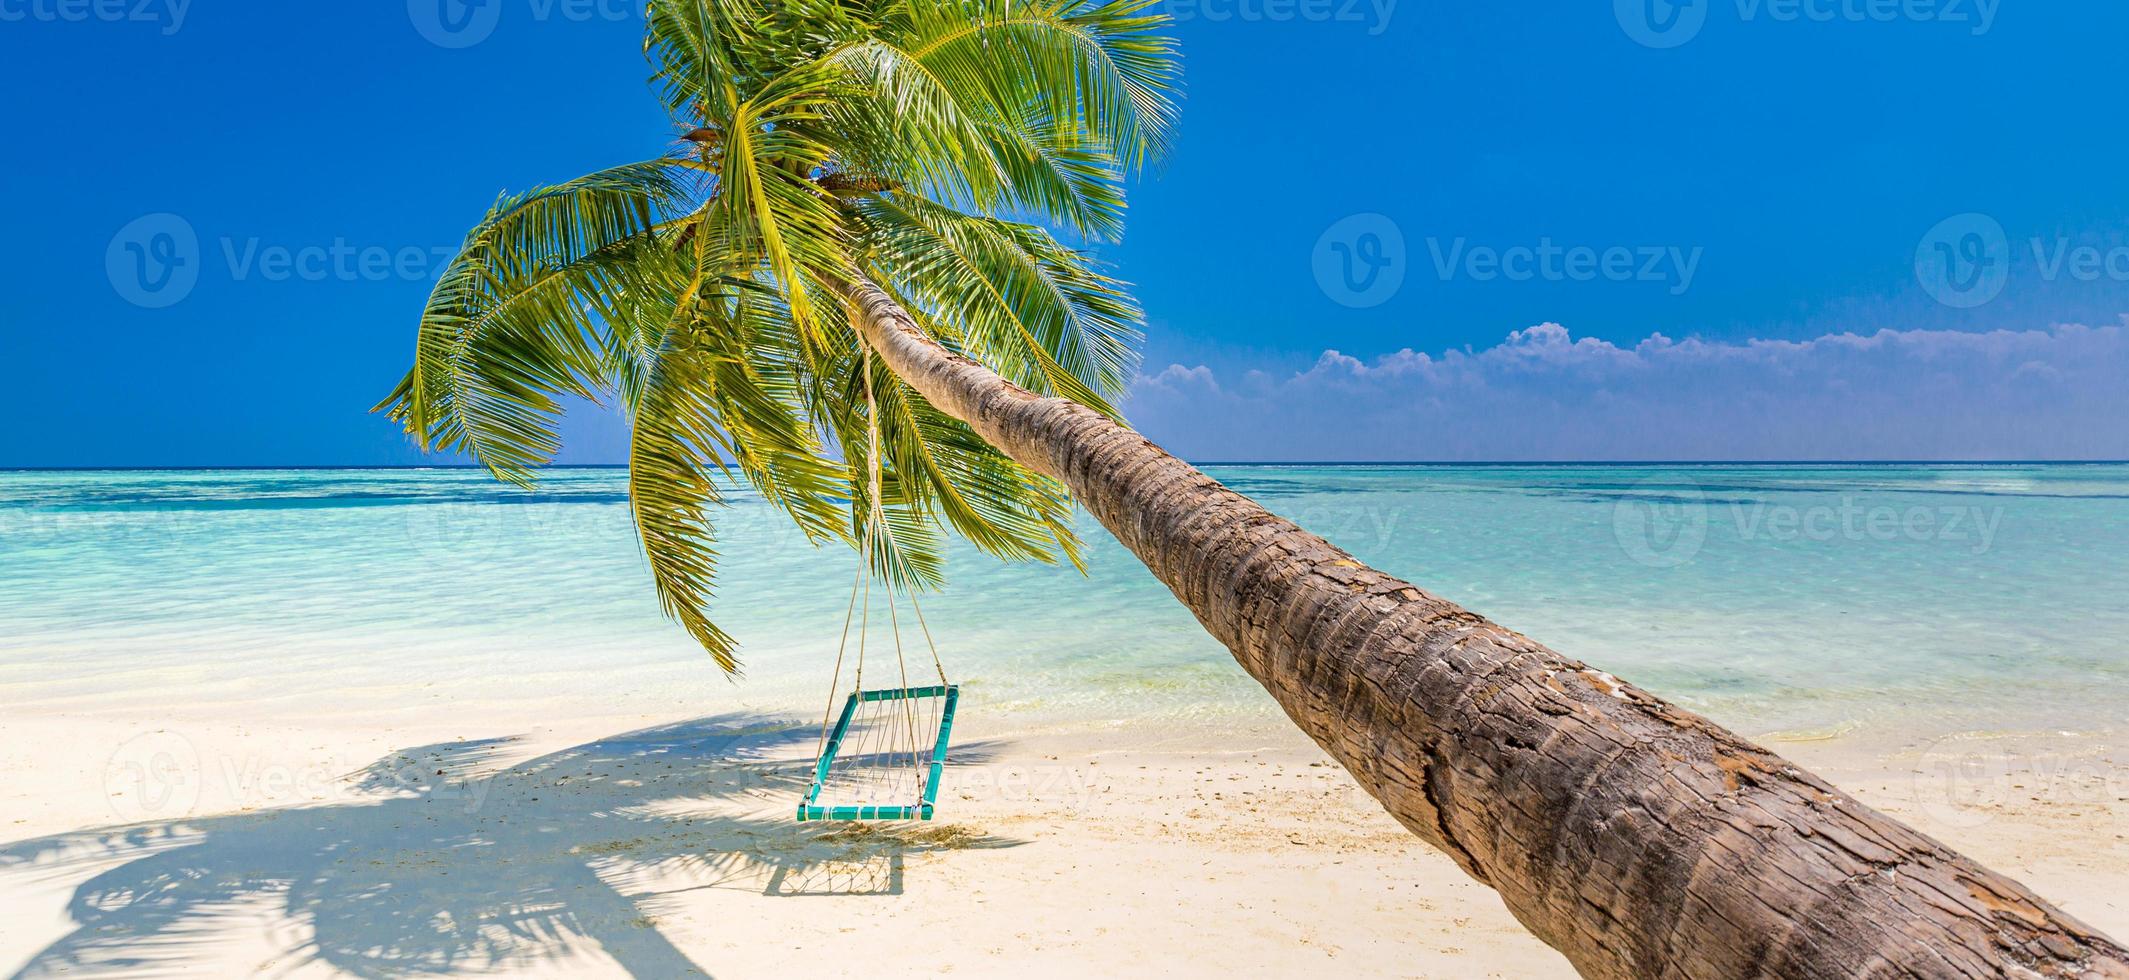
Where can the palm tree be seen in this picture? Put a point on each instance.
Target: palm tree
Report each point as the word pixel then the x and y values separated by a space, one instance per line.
pixel 894 196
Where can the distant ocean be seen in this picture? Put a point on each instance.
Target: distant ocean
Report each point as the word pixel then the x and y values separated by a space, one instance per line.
pixel 1800 598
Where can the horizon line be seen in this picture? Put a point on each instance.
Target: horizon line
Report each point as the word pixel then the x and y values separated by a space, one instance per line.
pixel 345 467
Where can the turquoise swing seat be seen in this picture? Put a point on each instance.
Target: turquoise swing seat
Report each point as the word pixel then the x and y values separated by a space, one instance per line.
pixel 854 780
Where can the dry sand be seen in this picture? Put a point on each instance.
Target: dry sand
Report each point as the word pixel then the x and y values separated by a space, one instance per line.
pixel 465 840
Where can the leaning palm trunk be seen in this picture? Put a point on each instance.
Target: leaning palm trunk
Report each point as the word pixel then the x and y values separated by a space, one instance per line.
pixel 1639 839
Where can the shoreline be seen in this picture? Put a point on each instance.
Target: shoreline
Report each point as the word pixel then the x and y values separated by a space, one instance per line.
pixel 320 725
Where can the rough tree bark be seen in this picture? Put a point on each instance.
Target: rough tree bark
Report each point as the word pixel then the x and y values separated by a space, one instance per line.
pixel 1639 839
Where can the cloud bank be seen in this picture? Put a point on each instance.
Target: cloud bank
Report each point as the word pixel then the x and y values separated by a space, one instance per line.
pixel 1542 394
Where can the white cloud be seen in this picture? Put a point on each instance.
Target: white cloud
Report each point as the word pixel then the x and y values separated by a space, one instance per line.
pixel 2060 393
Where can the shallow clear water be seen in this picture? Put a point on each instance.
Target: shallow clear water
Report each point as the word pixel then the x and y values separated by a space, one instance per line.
pixel 1772 597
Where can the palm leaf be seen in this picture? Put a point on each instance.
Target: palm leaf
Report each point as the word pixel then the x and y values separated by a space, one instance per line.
pixel 923 145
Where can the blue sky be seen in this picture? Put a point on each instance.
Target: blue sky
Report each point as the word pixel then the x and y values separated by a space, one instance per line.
pixel 1393 229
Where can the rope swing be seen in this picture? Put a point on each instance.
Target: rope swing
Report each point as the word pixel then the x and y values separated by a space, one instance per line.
pixel 882 757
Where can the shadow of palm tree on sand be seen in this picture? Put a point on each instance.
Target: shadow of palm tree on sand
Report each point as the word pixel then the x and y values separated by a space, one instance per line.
pixel 451 858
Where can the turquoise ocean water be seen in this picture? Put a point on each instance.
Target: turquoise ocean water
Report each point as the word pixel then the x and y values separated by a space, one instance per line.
pixel 1798 598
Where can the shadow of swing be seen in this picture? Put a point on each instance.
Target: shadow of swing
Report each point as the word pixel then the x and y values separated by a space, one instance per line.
pixel 868 858
pixel 857 871
pixel 453 857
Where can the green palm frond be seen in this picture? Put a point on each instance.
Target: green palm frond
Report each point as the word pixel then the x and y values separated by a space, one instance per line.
pixel 1080 186
pixel 671 486
pixel 1018 300
pixel 926 146
pixel 508 325
pixel 1102 70
pixel 995 503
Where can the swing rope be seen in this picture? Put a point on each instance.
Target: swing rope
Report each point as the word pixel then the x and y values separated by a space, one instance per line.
pixel 874 762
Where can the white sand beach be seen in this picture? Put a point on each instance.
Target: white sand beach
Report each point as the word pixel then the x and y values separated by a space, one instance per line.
pixel 467 839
